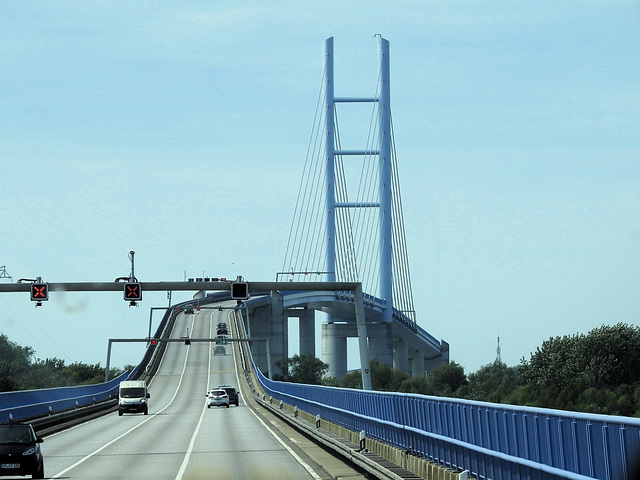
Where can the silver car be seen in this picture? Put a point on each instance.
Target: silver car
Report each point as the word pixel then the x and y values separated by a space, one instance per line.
pixel 217 398
pixel 219 350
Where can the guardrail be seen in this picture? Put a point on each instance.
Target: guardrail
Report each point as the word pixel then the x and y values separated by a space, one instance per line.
pixel 489 440
pixel 26 404
pixel 30 404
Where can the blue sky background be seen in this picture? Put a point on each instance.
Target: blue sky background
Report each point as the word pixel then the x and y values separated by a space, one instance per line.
pixel 179 130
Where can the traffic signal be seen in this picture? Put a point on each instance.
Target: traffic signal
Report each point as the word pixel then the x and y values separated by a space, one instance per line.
pixel 39 292
pixel 132 292
pixel 239 290
pixel 224 341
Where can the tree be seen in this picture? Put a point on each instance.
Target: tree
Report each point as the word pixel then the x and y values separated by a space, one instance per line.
pixel 302 369
pixel 352 380
pixel 383 377
pixel 19 371
pixel 15 361
pixel 606 356
pixel 493 383
pixel 386 378
pixel 417 385
pixel 446 379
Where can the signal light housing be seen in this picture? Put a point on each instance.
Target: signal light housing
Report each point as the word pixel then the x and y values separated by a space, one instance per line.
pixel 132 292
pixel 39 292
pixel 239 290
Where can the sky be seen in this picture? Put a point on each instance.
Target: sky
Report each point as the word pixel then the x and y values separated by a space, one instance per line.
pixel 179 130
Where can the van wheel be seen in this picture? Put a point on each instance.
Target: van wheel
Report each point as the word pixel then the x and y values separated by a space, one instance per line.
pixel 119 413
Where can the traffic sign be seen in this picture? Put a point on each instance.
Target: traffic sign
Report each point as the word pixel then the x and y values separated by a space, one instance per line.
pixel 132 292
pixel 39 292
pixel 239 290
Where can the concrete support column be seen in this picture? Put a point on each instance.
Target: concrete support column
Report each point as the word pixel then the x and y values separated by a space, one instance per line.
pixel 270 322
pixel 334 349
pixel 401 355
pixel 279 338
pixel 260 319
pixel 307 329
pixel 416 362
pixel 380 343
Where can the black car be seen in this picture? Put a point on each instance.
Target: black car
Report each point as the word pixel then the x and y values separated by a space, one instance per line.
pixel 20 452
pixel 222 329
pixel 232 392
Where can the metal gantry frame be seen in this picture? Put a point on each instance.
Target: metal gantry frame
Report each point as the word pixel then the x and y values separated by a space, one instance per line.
pixel 355 287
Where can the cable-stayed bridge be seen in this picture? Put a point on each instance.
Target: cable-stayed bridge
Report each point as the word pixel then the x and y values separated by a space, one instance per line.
pixel 356 242
pixel 348 227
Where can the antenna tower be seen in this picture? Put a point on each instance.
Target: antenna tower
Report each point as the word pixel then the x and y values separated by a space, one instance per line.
pixel 4 274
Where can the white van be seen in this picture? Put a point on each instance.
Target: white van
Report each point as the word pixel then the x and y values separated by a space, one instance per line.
pixel 133 397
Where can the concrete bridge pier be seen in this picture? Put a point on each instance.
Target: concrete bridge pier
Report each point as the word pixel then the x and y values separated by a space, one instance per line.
pixel 334 347
pixel 400 355
pixel 306 329
pixel 416 363
pixel 267 321
pixel 380 342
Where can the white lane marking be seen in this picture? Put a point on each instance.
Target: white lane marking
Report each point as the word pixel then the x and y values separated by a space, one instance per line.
pixel 187 456
pixel 304 464
pixel 82 460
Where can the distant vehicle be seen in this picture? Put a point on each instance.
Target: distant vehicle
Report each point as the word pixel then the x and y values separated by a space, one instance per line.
pixel 219 350
pixel 222 325
pixel 217 398
pixel 188 309
pixel 133 397
pixel 222 331
pixel 20 452
pixel 232 392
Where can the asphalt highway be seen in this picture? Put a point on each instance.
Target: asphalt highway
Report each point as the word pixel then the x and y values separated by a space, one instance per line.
pixel 181 438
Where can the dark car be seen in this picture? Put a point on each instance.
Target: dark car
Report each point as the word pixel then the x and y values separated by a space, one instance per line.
pixel 20 452
pixel 232 392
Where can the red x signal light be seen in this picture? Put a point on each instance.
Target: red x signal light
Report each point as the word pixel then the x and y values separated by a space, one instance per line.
pixel 132 292
pixel 39 292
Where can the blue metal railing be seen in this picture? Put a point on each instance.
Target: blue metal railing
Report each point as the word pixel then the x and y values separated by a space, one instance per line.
pixel 20 405
pixel 27 404
pixel 490 440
